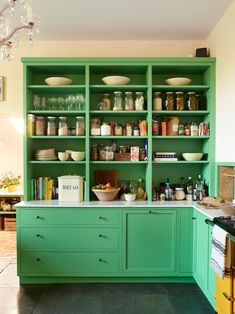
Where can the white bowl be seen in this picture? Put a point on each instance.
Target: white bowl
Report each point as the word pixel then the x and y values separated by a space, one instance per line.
pixel 116 80
pixel 192 156
pixel 63 156
pixel 106 195
pixel 77 156
pixel 129 197
pixel 178 81
pixel 54 80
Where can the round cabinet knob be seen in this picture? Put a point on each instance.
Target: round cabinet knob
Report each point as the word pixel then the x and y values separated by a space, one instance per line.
pixel 38 236
pixel 38 259
pixel 150 212
pixel 38 217
pixel 100 260
pixel 100 217
pixel 100 235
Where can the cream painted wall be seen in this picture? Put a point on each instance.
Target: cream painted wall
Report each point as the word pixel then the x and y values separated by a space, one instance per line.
pixel 11 156
pixel 222 45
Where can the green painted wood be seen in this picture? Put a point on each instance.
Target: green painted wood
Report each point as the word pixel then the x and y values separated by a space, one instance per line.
pixel 68 239
pixel 180 113
pixel 67 263
pixel 150 241
pixel 160 137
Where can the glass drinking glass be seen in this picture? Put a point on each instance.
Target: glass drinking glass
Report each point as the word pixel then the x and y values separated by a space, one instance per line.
pixel 36 102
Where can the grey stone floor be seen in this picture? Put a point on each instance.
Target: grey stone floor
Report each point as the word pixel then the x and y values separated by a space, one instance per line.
pixel 131 298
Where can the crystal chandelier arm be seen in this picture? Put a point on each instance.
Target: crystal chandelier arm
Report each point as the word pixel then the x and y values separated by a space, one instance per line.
pixel 10 4
pixel 5 40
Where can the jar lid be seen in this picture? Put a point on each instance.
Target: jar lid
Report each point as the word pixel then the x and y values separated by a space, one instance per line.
pixel 169 93
pixel 51 117
pixel 179 189
pixel 63 118
pixel 179 92
pixel 80 117
pixel 157 93
pixel 191 93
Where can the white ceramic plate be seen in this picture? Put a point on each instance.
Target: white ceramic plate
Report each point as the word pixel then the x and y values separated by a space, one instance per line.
pixel 115 80
pixel 54 80
pixel 178 81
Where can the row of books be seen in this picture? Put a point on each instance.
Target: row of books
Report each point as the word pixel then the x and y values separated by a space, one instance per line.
pixel 164 156
pixel 44 188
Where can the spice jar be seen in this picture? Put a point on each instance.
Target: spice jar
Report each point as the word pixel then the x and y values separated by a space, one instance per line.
pixel 194 129
pixel 179 194
pixel 80 126
pixel 192 101
pixel 40 126
pixel 105 129
pixel 118 129
pixel 95 126
pixel 179 99
pixel 117 104
pixel 94 152
pixel 155 127
pixel 129 101
pixel 51 127
pixel 109 153
pixel 169 102
pixel 139 101
pixel 157 101
pixel 63 128
pixel 106 102
pixel 136 131
pixel 31 124
pixel 129 129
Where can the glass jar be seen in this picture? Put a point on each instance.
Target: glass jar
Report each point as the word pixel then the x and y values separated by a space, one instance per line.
pixel 192 101
pixel 155 127
pixel 40 126
pixel 101 152
pixel 179 194
pixel 179 99
pixel 118 103
pixel 136 131
pixel 139 101
pixel 105 129
pixel 187 129
pixel 181 129
pixel 31 124
pixel 143 127
pixel 129 101
pixel 51 127
pixel 194 129
pixel 118 129
pixel 109 153
pixel 80 129
pixel 106 102
pixel 63 127
pixel 142 154
pixel 169 102
pixel 157 101
pixel 129 129
pixel 94 152
pixel 95 126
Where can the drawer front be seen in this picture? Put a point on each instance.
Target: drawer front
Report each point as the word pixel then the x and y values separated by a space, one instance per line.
pixel 67 216
pixel 67 264
pixel 68 239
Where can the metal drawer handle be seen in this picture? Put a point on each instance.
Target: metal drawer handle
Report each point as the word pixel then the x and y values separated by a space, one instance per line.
pixel 102 218
pixel 227 297
pixel 194 218
pixel 152 212
pixel 102 260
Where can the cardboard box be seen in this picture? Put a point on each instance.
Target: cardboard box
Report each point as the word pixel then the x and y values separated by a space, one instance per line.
pixel 135 151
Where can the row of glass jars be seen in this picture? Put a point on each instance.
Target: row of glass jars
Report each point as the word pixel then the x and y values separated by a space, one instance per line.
pixel 48 126
pixel 122 101
pixel 176 101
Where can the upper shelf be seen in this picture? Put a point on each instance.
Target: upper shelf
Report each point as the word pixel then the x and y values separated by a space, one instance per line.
pixel 199 88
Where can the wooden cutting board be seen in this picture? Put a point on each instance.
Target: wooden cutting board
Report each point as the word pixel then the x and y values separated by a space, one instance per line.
pixel 105 176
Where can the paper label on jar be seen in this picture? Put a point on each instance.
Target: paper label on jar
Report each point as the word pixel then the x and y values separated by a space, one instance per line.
pixel 135 153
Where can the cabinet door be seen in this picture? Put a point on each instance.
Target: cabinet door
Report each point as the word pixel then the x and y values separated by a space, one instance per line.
pixel 211 282
pixel 200 250
pixel 150 241
pixel 186 241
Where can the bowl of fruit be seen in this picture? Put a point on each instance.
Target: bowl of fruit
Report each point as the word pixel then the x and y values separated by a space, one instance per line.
pixel 105 192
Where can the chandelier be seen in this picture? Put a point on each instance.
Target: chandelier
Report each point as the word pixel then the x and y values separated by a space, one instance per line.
pixel 15 16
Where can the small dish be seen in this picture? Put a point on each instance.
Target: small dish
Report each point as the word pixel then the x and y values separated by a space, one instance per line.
pixel 77 156
pixel 54 80
pixel 63 156
pixel 129 197
pixel 115 80
pixel 178 81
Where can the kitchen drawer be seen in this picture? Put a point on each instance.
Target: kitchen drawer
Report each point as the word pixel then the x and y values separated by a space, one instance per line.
pixel 67 216
pixel 68 239
pixel 67 264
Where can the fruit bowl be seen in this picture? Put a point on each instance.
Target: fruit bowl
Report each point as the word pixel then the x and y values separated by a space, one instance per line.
pixel 106 195
pixel 192 156
pixel 228 208
pixel 58 80
pixel 115 80
pixel 178 81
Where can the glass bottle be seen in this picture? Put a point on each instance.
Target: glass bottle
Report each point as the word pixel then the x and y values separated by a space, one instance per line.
pixel 63 127
pixel 118 103
pixel 51 127
pixel 179 99
pixel 157 101
pixel 129 101
pixel 169 102
pixel 80 130
pixel 194 129
pixel 140 190
pixel 192 101
pixel 139 101
pixel 168 191
pixel 189 187
pixel 132 187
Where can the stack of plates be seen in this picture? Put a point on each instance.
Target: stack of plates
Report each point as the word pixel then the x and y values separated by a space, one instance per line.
pixel 45 154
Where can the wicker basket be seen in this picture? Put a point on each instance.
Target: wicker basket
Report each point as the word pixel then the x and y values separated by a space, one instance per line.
pixel 106 195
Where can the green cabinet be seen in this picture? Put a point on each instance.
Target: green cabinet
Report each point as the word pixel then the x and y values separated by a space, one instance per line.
pixel 150 241
pixel 203 273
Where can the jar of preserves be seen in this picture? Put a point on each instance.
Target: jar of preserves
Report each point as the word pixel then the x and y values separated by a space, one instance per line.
pixel 94 152
pixel 101 152
pixel 40 126
pixel 169 102
pixel 187 129
pixel 51 127
pixel 143 127
pixel 63 127
pixel 155 127
pixel 194 129
pixel 179 194
pixel 95 126
pixel 139 101
pixel 118 129
pixel 105 129
pixel 179 100
pixel 129 101
pixel 31 124
pixel 129 129
pixel 106 102
pixel 192 101
pixel 157 101
pixel 80 129
pixel 109 153
pixel 117 104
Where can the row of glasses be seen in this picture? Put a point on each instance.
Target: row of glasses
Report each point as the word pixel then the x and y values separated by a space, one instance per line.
pixel 71 102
